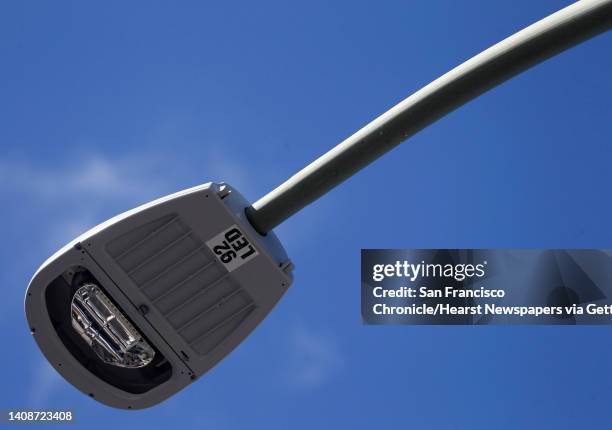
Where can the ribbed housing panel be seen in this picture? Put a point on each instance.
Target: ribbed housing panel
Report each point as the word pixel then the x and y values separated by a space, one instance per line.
pixel 183 280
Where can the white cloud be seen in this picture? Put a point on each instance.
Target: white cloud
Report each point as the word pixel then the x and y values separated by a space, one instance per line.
pixel 80 192
pixel 95 175
pixel 315 359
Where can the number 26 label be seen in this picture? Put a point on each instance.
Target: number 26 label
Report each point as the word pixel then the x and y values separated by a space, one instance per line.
pixel 232 248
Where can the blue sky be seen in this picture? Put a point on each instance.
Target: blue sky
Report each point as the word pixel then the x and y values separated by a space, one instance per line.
pixel 107 105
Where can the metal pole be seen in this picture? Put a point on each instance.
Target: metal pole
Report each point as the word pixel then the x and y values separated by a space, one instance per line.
pixel 530 46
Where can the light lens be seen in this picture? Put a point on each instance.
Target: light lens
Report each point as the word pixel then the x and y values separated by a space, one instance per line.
pixel 107 330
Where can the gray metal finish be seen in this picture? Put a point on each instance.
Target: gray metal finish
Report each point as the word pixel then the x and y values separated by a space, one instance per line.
pixel 155 264
pixel 534 44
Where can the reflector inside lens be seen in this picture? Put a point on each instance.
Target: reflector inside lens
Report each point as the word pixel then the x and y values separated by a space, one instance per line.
pixel 107 330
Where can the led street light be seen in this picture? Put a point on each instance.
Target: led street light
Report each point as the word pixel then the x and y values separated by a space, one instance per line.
pixel 138 307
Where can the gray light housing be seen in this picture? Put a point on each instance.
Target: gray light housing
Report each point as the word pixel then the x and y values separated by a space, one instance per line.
pixel 175 269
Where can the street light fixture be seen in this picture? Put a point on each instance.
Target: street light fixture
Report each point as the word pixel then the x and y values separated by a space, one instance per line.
pixel 138 307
